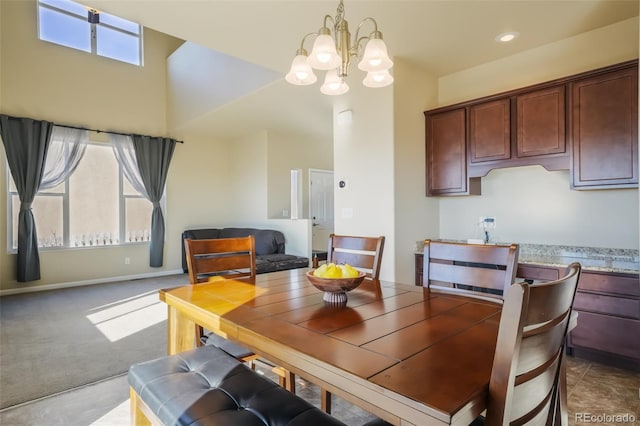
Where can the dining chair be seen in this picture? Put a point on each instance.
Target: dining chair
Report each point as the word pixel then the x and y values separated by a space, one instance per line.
pixel 364 254
pixel 211 259
pixel 527 384
pixel 484 270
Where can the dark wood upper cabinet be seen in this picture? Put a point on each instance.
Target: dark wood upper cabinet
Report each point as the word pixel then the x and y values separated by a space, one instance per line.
pixel 586 123
pixel 490 131
pixel 522 128
pixel 446 153
pixel 540 122
pixel 604 130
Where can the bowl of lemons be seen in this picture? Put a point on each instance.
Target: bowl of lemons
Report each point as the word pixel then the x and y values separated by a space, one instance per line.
pixel 335 281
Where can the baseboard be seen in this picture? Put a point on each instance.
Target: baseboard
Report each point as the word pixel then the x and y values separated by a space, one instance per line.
pixel 58 286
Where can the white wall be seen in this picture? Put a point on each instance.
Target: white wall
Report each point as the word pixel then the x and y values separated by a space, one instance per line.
pixel 286 152
pixel 201 82
pixel 46 81
pixel 535 206
pixel 417 216
pixel 531 204
pixel 246 193
pixel 363 154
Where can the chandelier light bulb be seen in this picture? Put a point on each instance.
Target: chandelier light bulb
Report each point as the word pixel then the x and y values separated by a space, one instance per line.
pixel 301 73
pixel 333 84
pixel 375 56
pixel 377 79
pixel 324 55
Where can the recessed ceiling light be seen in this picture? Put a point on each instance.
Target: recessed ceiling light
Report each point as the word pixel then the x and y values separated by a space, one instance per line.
pixel 508 36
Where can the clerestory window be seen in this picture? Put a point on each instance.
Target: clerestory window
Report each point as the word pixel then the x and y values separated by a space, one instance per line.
pixel 71 24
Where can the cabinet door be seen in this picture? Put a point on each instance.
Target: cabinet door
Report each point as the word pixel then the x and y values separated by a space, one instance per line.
pixel 604 130
pixel 446 153
pixel 540 122
pixel 490 131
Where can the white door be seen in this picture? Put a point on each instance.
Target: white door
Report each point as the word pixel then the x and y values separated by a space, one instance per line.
pixel 321 207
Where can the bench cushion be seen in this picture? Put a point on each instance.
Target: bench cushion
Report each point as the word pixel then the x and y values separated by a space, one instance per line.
pixel 206 386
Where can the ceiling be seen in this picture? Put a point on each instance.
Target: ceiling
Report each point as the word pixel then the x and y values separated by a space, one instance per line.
pixel 440 36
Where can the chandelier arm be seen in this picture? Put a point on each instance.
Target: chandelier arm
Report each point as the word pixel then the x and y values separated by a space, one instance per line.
pixel 304 39
pixel 375 26
pixel 329 18
pixel 355 49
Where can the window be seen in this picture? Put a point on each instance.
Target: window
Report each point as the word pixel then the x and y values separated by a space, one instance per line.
pixel 94 206
pixel 73 25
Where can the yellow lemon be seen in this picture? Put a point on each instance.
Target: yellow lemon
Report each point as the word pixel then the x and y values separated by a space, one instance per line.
pixel 332 272
pixel 349 271
pixel 319 272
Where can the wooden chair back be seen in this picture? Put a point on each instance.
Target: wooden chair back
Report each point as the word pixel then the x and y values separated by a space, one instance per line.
pixel 363 253
pixel 469 268
pixel 525 378
pixel 227 257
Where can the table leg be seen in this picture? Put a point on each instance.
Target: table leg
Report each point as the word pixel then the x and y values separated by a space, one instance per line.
pixel 181 332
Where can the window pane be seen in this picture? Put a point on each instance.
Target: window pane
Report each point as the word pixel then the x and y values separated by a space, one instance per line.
pixel 138 218
pixel 69 6
pixel 63 29
pixel 118 45
pixel 12 184
pixel 114 21
pixel 47 212
pixel 93 197
pixel 128 188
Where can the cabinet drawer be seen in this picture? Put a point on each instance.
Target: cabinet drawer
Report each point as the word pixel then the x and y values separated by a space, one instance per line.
pixel 610 283
pixel 607 305
pixel 608 334
pixel 530 272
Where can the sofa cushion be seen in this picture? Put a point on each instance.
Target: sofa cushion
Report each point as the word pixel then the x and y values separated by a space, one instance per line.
pixel 278 257
pixel 268 241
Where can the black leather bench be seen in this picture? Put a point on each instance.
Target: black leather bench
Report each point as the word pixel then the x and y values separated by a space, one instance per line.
pixel 206 386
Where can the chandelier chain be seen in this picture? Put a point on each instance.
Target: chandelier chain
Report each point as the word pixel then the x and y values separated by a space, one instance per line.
pixel 339 15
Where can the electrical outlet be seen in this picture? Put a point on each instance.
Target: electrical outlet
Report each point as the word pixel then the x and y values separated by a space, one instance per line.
pixel 127 261
pixel 487 222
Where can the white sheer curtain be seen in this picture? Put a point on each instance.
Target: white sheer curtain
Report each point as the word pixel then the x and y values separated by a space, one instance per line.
pixel 66 148
pixel 126 157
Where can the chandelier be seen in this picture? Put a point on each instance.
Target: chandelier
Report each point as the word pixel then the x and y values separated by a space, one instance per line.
pixel 332 51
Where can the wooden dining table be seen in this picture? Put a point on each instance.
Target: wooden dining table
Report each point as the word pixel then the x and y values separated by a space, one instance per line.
pixel 407 354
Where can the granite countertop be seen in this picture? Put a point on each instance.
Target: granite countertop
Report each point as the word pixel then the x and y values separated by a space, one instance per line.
pixel 591 258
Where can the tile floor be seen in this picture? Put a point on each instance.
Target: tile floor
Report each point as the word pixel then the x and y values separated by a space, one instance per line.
pixel 597 394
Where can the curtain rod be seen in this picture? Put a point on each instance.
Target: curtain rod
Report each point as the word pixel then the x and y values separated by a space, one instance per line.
pixel 98 130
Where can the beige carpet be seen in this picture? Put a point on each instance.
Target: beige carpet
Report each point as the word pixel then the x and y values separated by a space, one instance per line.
pixel 57 340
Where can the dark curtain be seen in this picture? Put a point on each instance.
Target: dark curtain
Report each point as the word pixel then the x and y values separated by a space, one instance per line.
pixel 25 143
pixel 153 155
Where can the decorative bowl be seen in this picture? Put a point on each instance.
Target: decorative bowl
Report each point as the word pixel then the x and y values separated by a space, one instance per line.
pixel 335 289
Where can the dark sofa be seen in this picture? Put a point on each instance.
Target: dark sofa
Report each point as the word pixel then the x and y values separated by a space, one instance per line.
pixel 270 247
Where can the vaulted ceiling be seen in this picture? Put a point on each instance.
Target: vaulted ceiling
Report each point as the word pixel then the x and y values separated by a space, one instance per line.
pixel 441 36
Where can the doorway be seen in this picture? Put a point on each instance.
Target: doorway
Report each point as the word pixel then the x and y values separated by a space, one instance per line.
pixel 320 207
